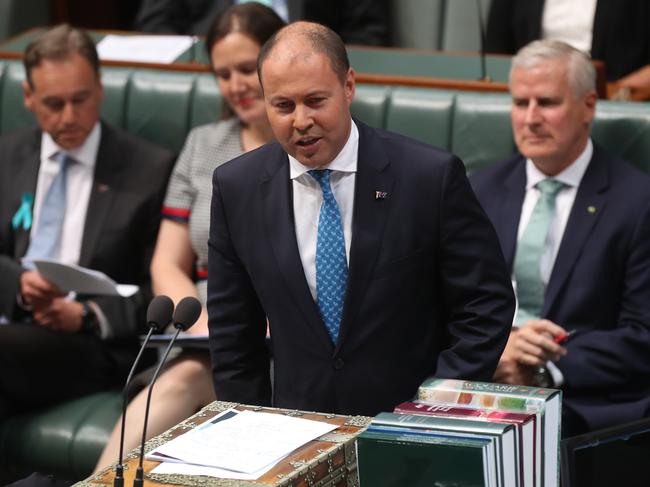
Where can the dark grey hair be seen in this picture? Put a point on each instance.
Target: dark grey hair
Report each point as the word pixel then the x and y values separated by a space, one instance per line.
pixel 57 44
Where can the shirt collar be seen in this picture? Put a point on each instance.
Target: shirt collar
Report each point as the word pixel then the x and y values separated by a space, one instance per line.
pixel 85 154
pixel 571 176
pixel 345 161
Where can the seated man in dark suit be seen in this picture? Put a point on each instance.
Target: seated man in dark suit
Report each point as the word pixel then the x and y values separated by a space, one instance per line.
pixel 574 226
pixel 366 250
pixel 81 192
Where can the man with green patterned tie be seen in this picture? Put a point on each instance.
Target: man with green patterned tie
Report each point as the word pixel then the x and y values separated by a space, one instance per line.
pixel 574 225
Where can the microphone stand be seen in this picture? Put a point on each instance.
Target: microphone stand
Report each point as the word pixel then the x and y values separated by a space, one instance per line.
pixel 139 473
pixel 186 313
pixel 118 481
pixel 159 313
pixel 481 29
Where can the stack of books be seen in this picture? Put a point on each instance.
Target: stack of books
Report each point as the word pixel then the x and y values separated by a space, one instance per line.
pixel 465 434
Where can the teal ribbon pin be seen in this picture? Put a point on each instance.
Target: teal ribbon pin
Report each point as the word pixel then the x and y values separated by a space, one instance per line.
pixel 24 214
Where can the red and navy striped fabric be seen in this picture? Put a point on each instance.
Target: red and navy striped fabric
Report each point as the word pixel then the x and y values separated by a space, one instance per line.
pixel 176 214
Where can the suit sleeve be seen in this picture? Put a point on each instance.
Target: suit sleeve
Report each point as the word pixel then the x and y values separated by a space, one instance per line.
pixel 237 324
pixel 618 357
pixel 126 317
pixel 477 292
pixel 11 271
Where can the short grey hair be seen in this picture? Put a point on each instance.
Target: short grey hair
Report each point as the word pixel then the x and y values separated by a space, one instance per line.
pixel 580 69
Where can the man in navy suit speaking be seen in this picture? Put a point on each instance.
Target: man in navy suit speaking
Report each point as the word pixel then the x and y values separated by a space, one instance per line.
pixel 367 251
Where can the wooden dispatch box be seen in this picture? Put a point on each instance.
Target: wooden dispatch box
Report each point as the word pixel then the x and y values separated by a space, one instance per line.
pixel 328 461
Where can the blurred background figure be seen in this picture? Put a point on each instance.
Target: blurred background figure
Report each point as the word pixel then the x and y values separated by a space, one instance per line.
pixel 356 21
pixel 617 33
pixel 179 265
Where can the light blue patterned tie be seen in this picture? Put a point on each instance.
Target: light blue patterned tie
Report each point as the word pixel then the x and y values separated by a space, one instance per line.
pixel 331 263
pixel 45 243
pixel 530 248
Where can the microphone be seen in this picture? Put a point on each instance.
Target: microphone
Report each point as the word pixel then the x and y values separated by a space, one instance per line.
pixel 481 30
pixel 159 314
pixel 187 312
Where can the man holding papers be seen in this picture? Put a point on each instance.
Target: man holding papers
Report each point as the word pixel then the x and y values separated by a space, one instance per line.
pixel 80 192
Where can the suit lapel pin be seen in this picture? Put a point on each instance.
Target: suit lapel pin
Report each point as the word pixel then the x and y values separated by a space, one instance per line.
pixel 591 210
pixel 381 195
pixel 102 188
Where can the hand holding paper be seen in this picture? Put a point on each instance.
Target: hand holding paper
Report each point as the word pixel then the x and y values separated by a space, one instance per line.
pixel 69 277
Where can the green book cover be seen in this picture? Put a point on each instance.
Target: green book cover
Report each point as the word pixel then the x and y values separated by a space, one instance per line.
pixel 398 460
pixel 504 435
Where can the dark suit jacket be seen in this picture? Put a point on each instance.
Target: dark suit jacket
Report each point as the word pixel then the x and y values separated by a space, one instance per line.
pixel 600 284
pixel 356 21
pixel 121 223
pixel 621 31
pixel 428 292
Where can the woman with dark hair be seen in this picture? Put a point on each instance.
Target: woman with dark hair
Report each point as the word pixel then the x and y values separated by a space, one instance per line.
pixel 179 264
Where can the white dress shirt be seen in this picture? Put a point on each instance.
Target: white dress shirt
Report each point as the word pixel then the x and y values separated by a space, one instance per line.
pixel 571 177
pixel 571 21
pixel 80 177
pixel 79 184
pixel 308 197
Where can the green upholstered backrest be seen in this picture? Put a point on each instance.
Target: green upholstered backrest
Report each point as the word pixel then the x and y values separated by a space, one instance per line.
pixel 159 106
pixel 481 131
pixel 423 114
pixel 369 104
pixel 116 90
pixel 624 129
pixel 426 64
pixel 65 440
pixel 13 113
pixel 206 101
pixel 163 105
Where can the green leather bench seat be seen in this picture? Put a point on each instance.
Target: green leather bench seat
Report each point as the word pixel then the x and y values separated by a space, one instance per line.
pixel 163 106
pixel 65 440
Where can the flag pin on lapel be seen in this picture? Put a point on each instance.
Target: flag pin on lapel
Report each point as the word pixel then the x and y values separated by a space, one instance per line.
pixel 381 195
pixel 591 210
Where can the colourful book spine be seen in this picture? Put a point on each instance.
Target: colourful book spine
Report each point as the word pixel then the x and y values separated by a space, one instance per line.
pixel 485 394
pixel 546 404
